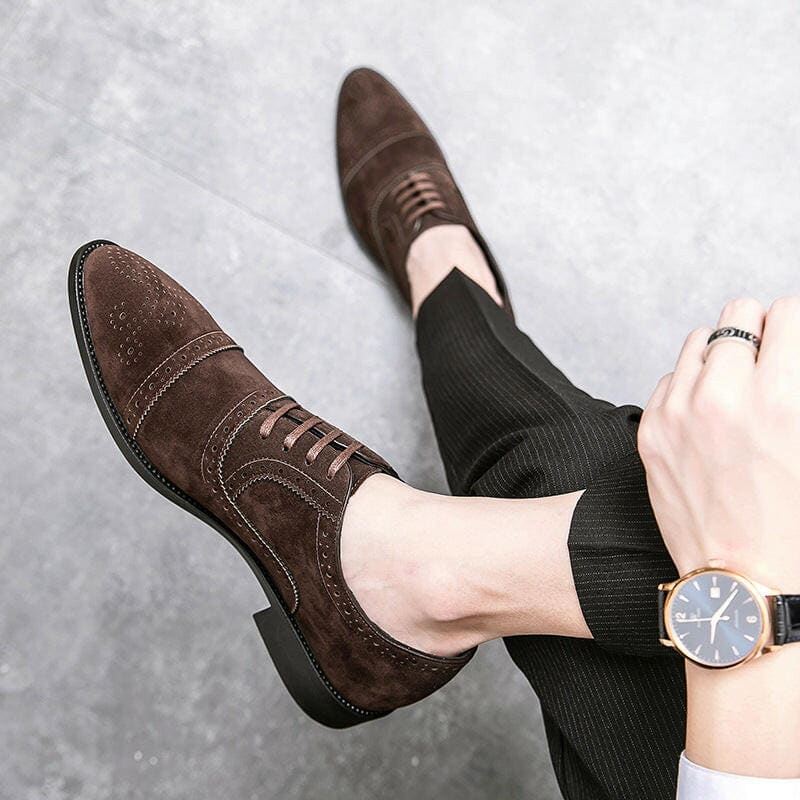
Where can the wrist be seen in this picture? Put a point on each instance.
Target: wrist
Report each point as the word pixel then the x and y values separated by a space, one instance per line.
pixel 746 720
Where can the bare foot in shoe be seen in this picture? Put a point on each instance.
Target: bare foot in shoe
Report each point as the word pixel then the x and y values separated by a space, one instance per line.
pixel 434 253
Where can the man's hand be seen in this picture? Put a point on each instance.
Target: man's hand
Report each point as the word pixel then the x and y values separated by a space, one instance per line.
pixel 720 441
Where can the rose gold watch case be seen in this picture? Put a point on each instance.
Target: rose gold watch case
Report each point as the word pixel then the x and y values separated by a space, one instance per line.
pixel 762 596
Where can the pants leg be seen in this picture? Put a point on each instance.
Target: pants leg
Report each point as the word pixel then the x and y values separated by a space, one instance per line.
pixel 509 424
pixel 507 421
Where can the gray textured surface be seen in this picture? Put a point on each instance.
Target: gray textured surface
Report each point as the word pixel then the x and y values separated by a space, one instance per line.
pixel 633 165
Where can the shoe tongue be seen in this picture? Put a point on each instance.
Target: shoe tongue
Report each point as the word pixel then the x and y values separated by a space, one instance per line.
pixel 431 219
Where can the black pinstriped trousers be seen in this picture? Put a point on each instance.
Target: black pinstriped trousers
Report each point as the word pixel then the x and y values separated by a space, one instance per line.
pixel 509 424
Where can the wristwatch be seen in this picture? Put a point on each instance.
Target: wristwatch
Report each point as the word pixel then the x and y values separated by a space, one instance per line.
pixel 720 619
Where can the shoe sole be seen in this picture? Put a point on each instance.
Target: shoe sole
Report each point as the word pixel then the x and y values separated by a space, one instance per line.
pixel 286 645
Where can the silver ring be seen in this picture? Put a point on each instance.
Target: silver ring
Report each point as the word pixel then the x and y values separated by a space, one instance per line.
pixel 731 334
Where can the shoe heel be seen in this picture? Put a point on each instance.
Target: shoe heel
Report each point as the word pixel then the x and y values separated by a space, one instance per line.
pixel 301 676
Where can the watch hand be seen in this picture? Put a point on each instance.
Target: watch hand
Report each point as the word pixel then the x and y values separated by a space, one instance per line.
pixel 719 612
pixel 701 619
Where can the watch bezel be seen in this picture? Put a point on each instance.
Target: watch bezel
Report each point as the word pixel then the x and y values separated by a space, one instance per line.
pixel 757 591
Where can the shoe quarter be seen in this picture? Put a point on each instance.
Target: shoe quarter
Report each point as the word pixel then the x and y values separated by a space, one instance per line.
pixel 238 466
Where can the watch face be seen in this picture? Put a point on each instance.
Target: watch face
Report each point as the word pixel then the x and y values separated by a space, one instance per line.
pixel 714 619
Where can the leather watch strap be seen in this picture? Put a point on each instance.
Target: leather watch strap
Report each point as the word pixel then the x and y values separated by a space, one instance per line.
pixel 787 618
pixel 662 628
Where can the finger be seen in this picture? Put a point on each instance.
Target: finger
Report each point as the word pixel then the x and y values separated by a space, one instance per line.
pixel 732 357
pixel 781 337
pixel 689 366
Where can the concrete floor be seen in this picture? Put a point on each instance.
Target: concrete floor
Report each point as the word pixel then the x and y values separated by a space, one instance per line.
pixel 634 165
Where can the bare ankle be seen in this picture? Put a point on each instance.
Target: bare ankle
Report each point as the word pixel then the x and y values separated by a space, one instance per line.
pixel 403 584
pixel 426 569
pixel 436 252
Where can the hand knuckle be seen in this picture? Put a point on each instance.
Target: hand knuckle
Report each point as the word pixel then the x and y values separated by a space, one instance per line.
pixel 672 414
pixel 713 401
pixel 646 439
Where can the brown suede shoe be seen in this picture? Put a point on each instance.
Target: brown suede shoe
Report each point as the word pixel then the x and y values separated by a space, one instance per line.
pixel 394 179
pixel 206 429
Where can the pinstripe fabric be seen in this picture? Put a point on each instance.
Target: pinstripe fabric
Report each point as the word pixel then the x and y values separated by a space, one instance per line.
pixel 509 424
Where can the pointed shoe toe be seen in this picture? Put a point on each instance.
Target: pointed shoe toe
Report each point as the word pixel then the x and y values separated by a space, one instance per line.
pixel 393 176
pixel 207 430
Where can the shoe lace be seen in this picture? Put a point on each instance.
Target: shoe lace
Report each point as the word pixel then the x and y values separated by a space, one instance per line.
pixel 416 195
pixel 291 438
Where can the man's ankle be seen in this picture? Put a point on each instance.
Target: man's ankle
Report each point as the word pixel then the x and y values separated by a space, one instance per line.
pixel 434 254
pixel 404 582
pixel 426 568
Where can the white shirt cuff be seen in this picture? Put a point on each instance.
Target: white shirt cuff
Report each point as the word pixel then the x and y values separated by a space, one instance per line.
pixel 700 783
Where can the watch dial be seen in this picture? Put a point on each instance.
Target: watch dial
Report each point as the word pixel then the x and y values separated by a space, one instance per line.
pixel 714 619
